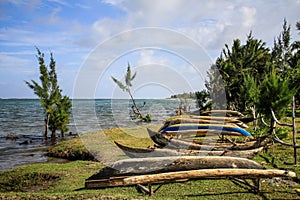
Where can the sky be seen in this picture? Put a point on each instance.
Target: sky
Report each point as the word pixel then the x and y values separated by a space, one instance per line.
pixel 170 44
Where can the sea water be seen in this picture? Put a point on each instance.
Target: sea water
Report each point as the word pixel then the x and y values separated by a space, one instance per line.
pixel 22 123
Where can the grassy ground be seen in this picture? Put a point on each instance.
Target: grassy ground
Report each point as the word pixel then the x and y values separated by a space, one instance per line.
pixel 66 180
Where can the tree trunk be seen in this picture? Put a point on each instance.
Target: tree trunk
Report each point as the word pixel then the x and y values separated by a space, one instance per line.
pixel 134 104
pixel 294 131
pixel 272 126
pixel 254 117
pixel 53 135
pixel 62 132
pixel 46 126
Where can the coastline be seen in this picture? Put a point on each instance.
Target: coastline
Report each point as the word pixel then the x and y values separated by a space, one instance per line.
pixel 66 180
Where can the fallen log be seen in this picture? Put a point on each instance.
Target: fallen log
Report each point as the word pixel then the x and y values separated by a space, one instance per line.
pixel 142 166
pixel 154 152
pixel 207 173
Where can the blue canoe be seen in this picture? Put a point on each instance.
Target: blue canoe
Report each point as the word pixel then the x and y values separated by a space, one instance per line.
pixel 217 127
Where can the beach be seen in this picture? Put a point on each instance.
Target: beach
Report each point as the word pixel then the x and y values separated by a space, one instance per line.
pixel 22 125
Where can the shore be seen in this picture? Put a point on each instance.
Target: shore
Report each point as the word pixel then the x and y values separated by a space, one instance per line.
pixel 66 180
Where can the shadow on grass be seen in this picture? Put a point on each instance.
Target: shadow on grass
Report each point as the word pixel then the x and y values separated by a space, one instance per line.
pixel 224 193
pixel 263 194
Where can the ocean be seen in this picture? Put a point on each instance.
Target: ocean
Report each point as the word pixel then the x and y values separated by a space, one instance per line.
pixel 23 120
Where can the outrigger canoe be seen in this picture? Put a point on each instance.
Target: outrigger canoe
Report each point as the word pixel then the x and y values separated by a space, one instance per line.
pixel 161 141
pixel 209 127
pixel 187 120
pixel 136 166
pixel 154 152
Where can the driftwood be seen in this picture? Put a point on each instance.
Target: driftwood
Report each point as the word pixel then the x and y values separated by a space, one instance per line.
pixel 142 166
pixel 162 141
pixel 154 152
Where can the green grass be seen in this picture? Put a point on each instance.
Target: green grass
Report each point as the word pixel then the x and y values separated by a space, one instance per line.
pixel 66 180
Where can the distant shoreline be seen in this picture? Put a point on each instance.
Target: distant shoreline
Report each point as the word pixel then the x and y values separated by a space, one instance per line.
pixel 95 99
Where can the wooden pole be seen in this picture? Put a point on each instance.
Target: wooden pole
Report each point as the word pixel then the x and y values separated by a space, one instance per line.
pixel 294 132
pixel 206 173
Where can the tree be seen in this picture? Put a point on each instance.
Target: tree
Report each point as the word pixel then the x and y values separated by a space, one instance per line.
pixel 126 87
pixel 276 94
pixel 215 86
pixel 202 100
pixel 57 108
pixel 256 78
pixel 295 65
pixel 233 64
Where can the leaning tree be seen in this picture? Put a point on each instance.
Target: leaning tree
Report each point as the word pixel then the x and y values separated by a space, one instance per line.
pixel 136 112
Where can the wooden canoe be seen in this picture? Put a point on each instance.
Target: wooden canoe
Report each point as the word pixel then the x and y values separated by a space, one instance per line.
pixel 154 152
pixel 216 127
pixel 186 120
pixel 153 165
pixel 182 176
pixel 216 118
pixel 222 112
pixel 201 133
pixel 162 141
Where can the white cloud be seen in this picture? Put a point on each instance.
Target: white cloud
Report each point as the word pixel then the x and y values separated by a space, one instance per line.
pixel 14 64
pixel 147 57
pixel 248 14
pixel 211 24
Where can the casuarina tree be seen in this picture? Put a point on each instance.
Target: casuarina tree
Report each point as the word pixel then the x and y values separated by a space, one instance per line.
pixel 56 107
pixel 136 112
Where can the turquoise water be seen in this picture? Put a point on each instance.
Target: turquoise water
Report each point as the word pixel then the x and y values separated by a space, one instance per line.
pixel 23 118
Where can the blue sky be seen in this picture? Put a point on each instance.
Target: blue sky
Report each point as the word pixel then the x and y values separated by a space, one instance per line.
pixel 170 43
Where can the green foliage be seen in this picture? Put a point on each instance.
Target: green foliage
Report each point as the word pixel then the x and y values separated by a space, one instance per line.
pixel 254 77
pixel 250 90
pixel 57 108
pixel 202 100
pixel 275 93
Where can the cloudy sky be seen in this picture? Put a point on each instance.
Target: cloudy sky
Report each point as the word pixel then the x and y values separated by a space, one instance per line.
pixel 169 43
